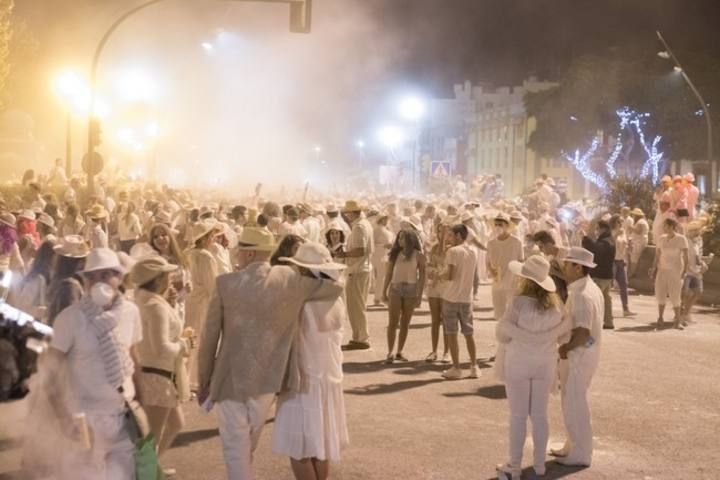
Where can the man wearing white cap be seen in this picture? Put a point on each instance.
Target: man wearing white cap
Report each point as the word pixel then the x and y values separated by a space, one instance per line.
pixel 502 250
pixel 93 339
pixel 245 351
pixel 580 356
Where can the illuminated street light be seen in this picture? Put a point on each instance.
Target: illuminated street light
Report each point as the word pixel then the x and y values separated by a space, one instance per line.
pixel 412 108
pixel 664 55
pixel 360 144
pixel 208 47
pixel 391 136
pixel 152 130
pixel 136 85
pixel 677 69
pixel 317 149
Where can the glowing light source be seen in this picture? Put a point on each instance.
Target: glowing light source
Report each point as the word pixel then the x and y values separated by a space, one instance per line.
pixel 664 55
pixel 360 144
pixel 152 129
pixel 136 85
pixel 412 108
pixel 391 136
pixel 677 69
pixel 208 47
pixel 580 162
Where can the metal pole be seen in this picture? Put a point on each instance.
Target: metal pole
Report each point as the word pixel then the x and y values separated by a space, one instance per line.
pixel 93 81
pixel 68 145
pixel 706 112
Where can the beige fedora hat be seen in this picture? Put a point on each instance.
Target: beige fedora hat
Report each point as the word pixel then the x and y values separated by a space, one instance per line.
pixel 149 268
pixel 73 246
pixel 314 256
pixel 259 239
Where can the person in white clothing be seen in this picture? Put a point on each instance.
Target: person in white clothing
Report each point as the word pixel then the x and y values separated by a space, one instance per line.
pixel 693 286
pixel 459 274
pixel 312 226
pixel 502 250
pixel 129 228
pixel 638 238
pixel 292 225
pixel 669 270
pixel 530 331
pixel 693 195
pixel 310 426
pixel 663 214
pixel 580 356
pixel 382 240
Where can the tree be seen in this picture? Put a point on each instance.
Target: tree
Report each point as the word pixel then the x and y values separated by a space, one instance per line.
pixel 6 8
pixel 633 192
pixel 595 86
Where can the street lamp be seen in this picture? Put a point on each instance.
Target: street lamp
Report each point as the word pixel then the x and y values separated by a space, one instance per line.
pixel 73 90
pixel 669 55
pixel 413 109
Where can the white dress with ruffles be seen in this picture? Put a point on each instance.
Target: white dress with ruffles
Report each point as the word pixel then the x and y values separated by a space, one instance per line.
pixel 312 424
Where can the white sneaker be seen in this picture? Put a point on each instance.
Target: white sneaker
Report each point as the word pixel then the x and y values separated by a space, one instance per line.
pixel 474 372
pixel 452 373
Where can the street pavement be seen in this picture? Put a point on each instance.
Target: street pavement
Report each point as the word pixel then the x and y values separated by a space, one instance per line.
pixel 655 403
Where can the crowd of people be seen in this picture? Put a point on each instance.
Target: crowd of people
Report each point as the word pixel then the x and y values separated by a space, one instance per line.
pixel 158 296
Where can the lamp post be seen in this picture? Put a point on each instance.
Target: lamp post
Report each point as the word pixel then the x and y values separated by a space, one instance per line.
pixel 72 90
pixel 413 109
pixel 668 54
pixel 300 21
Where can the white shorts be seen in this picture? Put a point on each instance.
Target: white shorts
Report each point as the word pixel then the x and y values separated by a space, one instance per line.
pixel 668 284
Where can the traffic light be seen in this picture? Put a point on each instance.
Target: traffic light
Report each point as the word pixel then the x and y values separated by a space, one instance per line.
pixel 300 16
pixel 94 132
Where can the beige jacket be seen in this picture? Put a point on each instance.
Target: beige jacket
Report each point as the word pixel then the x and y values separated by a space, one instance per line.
pixel 256 311
pixel 161 344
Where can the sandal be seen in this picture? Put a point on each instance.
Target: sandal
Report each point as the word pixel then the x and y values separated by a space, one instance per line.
pixel 432 357
pixel 389 359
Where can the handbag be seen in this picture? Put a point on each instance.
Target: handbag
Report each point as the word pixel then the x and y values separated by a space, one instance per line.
pixel 147 466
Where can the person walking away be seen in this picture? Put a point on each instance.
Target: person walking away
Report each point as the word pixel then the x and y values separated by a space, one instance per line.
pixel 603 251
pixel 621 254
pixel 93 339
pixel 638 239
pixel 129 228
pixel 357 258
pixel 310 425
pixel 460 268
pixel 73 223
pixel 162 381
pixel 669 270
pixel 580 356
pixel 403 288
pixel 245 350
pixel 203 271
pixel 693 284
pixel 502 250
pixel 435 290
pixel 530 330
pixel 96 230
pixel 292 224
pixel 382 243
pixel 312 225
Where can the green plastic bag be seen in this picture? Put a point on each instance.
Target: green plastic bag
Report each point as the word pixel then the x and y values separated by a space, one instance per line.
pixel 146 460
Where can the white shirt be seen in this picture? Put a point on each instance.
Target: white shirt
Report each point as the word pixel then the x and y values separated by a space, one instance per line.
pixel 312 229
pixel 464 261
pixel 90 390
pixel 657 226
pixel 296 228
pixel 361 236
pixel 499 255
pixel 671 249
pixel 129 228
pixel 640 232
pixel 586 307
pixel 525 313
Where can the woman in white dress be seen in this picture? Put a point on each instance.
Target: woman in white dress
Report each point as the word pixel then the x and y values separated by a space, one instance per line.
pixel 530 331
pixel 310 425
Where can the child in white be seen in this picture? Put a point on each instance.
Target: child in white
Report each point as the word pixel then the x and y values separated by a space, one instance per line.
pixel 310 426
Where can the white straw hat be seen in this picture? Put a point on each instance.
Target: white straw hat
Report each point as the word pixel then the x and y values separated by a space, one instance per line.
pixel 314 256
pixel 103 259
pixel 535 268
pixel 150 268
pixel 581 256
pixel 72 246
pixel 257 239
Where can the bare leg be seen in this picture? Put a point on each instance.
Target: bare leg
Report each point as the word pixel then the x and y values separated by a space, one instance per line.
pixel 173 426
pixel 303 469
pixel 452 341
pixel 470 341
pixel 322 468
pixel 157 420
pixel 661 312
pixel 408 307
pixel 394 310
pixel 436 320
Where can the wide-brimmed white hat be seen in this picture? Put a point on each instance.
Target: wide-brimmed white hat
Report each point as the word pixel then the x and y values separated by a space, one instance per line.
pixel 203 227
pixel 313 255
pixel 535 268
pixel 9 220
pixel 149 268
pixel 27 214
pixel 46 219
pixel 258 239
pixel 73 246
pixel 103 259
pixel 581 256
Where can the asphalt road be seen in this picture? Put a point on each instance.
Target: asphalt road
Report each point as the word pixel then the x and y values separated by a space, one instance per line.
pixel 655 403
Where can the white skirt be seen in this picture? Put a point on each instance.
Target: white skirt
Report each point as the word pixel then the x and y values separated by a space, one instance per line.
pixel 312 424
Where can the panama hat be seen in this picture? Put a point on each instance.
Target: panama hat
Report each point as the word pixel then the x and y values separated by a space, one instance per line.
pixel 149 268
pixel 501 217
pixel 202 228
pixel 535 268
pixel 581 256
pixel 638 212
pixel 72 246
pixel 335 224
pixel 258 239
pixel 47 220
pixel 103 259
pixel 8 219
pixel 351 206
pixel 314 256
pixel 97 211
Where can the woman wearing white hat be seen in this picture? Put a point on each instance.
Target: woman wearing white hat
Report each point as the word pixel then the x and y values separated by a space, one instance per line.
pixel 10 258
pixel 529 332
pixel 203 271
pixel 162 381
pixel 310 426
pixel 66 286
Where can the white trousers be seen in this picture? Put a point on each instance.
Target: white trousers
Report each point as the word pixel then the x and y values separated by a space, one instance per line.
pixel 668 283
pixel 528 382
pixel 110 456
pixel 379 266
pixel 576 375
pixel 241 424
pixel 482 266
pixel 501 295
